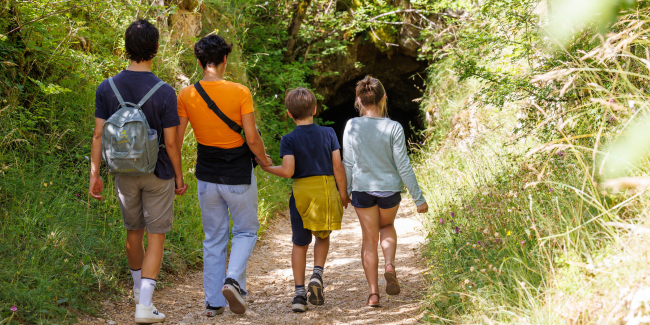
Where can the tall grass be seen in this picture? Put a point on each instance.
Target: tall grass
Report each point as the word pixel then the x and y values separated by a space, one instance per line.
pixel 516 219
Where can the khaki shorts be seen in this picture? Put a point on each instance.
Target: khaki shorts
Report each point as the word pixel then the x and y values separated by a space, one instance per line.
pixel 146 201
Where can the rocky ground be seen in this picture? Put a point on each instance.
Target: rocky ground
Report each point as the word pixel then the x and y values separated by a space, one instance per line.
pixel 270 283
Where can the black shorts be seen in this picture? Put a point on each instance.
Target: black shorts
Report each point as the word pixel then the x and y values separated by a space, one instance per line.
pixel 364 200
pixel 300 236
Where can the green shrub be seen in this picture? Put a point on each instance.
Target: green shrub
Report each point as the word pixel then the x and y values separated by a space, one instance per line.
pixel 62 253
pixel 516 211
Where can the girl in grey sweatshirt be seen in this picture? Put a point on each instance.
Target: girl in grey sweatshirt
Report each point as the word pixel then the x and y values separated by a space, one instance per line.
pixel 377 167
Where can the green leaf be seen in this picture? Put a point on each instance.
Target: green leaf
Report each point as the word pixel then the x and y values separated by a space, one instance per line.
pixel 50 89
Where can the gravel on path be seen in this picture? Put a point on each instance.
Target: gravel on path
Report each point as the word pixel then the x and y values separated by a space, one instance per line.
pixel 270 282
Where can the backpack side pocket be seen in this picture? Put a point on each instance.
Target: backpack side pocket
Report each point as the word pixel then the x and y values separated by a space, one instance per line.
pixel 152 149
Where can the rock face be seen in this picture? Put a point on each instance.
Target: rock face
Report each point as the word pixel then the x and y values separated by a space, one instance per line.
pixel 185 24
pixel 189 5
pixel 407 40
pixel 383 52
pixel 395 68
pixel 363 58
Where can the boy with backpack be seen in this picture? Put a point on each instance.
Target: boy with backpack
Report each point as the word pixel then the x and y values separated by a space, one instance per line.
pixel 139 145
pixel 311 156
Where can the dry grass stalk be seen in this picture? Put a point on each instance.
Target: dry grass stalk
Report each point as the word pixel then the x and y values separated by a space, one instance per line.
pixel 635 184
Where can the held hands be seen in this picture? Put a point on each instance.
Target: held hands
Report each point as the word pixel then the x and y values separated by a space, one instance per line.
pixel 96 187
pixel 181 187
pixel 267 163
pixel 423 208
pixel 345 200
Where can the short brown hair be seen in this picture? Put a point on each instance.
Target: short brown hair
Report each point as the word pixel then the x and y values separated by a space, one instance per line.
pixel 300 102
pixel 370 92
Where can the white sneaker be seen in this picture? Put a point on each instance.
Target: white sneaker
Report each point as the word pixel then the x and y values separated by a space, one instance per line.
pixel 148 315
pixel 136 296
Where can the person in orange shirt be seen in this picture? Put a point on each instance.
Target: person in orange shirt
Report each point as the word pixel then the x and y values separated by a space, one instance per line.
pixel 219 110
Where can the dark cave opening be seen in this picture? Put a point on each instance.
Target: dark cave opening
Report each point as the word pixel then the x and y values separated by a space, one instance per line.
pixel 401 108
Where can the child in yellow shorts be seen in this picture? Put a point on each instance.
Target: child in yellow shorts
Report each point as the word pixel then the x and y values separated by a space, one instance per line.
pixel 311 156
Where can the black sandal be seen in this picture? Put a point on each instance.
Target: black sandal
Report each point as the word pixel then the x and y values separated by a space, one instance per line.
pixel 375 304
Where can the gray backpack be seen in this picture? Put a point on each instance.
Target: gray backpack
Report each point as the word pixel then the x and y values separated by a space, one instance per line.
pixel 129 146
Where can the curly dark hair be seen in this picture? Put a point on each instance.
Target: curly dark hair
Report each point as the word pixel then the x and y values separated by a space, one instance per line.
pixel 211 49
pixel 141 40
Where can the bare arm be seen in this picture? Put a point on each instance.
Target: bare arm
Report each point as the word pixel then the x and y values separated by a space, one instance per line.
pixel 339 175
pixel 174 153
pixel 286 170
pixel 181 130
pixel 96 184
pixel 254 139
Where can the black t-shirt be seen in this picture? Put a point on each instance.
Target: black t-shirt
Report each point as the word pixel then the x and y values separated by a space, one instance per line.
pixel 160 109
pixel 312 146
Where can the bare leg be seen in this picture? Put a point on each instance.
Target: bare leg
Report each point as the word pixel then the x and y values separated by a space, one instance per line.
pixel 135 248
pixel 321 248
pixel 388 236
pixel 299 263
pixel 369 220
pixel 153 256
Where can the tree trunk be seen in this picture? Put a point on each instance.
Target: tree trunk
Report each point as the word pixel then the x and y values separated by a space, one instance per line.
pixel 294 28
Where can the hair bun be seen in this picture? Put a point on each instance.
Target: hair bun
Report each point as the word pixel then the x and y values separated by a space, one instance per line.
pixel 370 92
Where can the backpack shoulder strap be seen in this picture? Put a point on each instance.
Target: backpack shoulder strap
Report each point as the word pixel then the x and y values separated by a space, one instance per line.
pixel 150 93
pixel 117 93
pixel 211 104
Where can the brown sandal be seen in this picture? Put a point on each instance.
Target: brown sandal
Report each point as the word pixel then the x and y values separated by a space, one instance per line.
pixel 392 285
pixel 368 300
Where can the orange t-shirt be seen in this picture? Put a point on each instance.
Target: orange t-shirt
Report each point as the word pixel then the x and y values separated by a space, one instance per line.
pixel 232 98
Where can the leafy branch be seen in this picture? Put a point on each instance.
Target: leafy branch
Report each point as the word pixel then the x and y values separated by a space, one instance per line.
pixel 43 17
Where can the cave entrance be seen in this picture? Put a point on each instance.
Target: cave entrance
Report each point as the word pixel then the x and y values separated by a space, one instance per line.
pixel 401 73
pixel 401 107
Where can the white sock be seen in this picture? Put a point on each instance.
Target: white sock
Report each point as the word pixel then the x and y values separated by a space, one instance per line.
pixel 146 291
pixel 136 278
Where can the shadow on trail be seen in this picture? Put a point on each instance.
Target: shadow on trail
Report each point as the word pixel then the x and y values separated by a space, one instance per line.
pixel 271 287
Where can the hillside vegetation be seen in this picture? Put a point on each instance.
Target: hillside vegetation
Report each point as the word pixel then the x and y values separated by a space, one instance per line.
pixel 62 253
pixel 526 228
pixel 526 125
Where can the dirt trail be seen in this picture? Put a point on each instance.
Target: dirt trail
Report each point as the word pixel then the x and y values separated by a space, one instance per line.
pixel 270 282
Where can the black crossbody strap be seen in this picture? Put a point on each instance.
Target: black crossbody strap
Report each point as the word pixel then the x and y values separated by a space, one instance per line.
pixel 231 124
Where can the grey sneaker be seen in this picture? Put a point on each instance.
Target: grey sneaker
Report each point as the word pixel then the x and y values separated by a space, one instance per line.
pixel 315 288
pixel 299 304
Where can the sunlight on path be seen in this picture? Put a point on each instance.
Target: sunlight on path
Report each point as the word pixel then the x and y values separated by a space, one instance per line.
pixel 270 282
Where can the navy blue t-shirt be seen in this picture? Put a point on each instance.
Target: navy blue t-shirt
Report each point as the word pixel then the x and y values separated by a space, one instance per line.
pixel 312 146
pixel 160 109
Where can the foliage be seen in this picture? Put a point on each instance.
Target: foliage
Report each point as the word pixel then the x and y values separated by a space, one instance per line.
pixel 46 121
pixel 327 31
pixel 512 219
pixel 571 16
pixel 62 253
pixel 526 207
